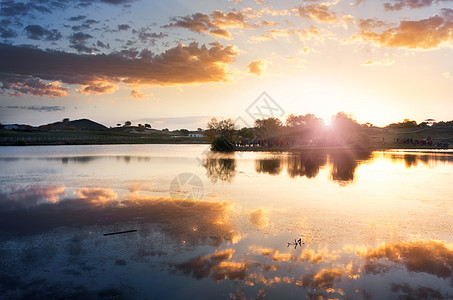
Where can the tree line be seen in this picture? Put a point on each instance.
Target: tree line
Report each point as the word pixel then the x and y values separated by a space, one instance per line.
pixel 344 130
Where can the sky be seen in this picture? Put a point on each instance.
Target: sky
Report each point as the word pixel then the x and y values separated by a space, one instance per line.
pixel 177 63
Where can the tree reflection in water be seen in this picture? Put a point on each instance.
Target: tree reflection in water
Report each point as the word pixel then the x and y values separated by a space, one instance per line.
pixel 220 167
pixel 345 163
pixel 271 166
pixel 306 163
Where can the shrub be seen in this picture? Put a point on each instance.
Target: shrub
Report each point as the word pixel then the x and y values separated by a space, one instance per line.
pixel 20 143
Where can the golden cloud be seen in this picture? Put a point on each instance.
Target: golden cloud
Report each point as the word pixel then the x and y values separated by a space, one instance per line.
pixel 319 12
pixel 98 87
pixel 381 62
pixel 33 86
pixel 424 34
pixel 136 94
pixel 257 67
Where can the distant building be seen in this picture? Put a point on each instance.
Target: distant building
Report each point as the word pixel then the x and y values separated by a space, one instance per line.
pixel 196 134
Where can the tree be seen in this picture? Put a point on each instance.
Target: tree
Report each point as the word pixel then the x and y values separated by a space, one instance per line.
pixel 308 125
pixel 127 123
pixel 165 130
pixel 184 131
pixel 269 127
pixel 118 125
pixel 346 129
pixel 224 128
pixel 247 133
pixel 148 126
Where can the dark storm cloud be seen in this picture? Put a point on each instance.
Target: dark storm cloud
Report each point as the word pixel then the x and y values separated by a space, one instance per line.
pixel 37 32
pixel 38 108
pixel 179 65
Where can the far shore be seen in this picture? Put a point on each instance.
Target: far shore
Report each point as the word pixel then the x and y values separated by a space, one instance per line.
pixel 298 148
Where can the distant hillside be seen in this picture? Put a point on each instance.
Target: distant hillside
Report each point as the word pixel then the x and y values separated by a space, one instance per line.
pixel 82 124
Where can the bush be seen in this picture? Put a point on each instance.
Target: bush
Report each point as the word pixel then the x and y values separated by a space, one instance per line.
pixel 222 144
pixel 20 143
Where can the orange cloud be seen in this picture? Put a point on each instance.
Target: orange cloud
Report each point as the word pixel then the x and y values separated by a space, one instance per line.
pixel 213 24
pixel 258 218
pixel 319 12
pixel 381 62
pixel 424 34
pixel 33 86
pixel 22 65
pixel 136 94
pixel 257 67
pixel 97 195
pixel 97 88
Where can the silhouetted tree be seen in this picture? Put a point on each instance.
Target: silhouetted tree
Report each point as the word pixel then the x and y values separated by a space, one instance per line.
pixel 269 127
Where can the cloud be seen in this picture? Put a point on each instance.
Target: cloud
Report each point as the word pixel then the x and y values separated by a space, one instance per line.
pixel 319 12
pixel 32 86
pixel 37 32
pixel 302 34
pixel 6 33
pixel 39 209
pixel 381 62
pixel 97 88
pixel 136 94
pixel 257 67
pixel 11 8
pixel 258 218
pixel 145 36
pixel 77 18
pixel 214 24
pixel 447 75
pixel 123 27
pixel 179 65
pixel 368 24
pixel 78 41
pixel 429 257
pixel 24 198
pixel 38 108
pixel 400 4
pixel 357 2
pixel 424 34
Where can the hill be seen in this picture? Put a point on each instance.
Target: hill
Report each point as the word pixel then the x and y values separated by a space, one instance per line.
pixel 81 124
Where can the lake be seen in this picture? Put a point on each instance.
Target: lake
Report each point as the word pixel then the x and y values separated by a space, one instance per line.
pixel 314 224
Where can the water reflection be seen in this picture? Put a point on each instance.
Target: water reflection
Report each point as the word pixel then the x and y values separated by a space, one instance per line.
pixel 345 163
pixel 306 163
pixel 272 166
pixel 23 212
pixel 403 269
pixel 412 159
pixel 234 242
pixel 220 167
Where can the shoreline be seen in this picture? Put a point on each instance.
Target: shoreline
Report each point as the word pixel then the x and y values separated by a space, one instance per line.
pixel 385 147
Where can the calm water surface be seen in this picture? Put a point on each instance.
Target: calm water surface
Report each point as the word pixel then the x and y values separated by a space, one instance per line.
pixel 371 225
